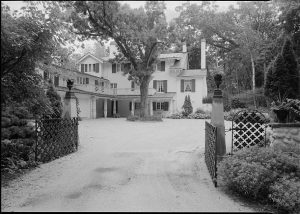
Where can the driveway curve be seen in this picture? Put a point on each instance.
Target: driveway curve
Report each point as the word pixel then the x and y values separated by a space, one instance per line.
pixel 125 166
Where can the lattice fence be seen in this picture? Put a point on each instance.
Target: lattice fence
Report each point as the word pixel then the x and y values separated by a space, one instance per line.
pixel 248 129
pixel 55 138
pixel 211 151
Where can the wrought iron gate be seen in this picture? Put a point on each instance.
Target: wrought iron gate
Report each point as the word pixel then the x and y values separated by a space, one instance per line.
pixel 211 151
pixel 55 138
pixel 248 129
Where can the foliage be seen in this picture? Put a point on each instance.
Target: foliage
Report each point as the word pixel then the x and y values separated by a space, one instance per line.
pixel 236 103
pixel 187 106
pixel 55 101
pixel 199 110
pixel 292 106
pixel 138 34
pixel 259 173
pixel 176 116
pixel 282 78
pixel 198 116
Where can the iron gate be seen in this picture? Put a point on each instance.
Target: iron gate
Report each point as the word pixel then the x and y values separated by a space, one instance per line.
pixel 248 129
pixel 55 138
pixel 211 151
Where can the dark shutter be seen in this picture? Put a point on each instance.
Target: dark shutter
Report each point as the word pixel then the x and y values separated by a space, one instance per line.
pixel 129 106
pixel 165 86
pixel 182 85
pixel 85 66
pixel 114 68
pixel 96 82
pixel 56 81
pixel 94 67
pixel 82 68
pixel 117 107
pixel 154 106
pixel 87 81
pixel 166 106
pixel 193 85
pixel 154 84
pixel 97 67
pixel 163 65
pixel 132 85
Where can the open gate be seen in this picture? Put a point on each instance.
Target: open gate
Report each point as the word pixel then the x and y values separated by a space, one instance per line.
pixel 211 151
pixel 248 129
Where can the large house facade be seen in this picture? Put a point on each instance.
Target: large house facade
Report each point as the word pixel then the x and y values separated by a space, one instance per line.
pixel 104 91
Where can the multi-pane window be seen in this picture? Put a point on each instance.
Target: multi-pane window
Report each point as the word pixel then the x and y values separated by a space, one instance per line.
pixel 160 106
pixel 85 67
pixel 187 85
pixel 160 86
pixel 113 85
pixel 119 67
pixel 94 67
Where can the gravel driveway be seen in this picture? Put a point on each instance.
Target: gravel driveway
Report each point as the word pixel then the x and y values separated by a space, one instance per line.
pixel 125 166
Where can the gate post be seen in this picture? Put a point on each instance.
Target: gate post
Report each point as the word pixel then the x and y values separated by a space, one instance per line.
pixel 70 108
pixel 217 117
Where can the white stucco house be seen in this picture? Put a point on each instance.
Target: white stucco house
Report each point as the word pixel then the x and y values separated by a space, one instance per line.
pixel 103 90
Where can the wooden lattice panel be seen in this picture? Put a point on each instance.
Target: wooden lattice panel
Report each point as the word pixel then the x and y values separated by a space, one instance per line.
pixel 56 138
pixel 211 150
pixel 248 129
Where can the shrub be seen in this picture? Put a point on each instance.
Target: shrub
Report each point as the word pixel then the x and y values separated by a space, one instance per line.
pixel 55 102
pixel 199 110
pixel 263 174
pixel 198 116
pixel 176 116
pixel 285 193
pixel 187 106
pixel 147 118
pixel 236 103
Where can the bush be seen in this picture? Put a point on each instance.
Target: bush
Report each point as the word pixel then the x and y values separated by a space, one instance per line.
pixel 147 118
pixel 236 103
pixel 176 116
pixel 187 106
pixel 261 174
pixel 198 116
pixel 200 111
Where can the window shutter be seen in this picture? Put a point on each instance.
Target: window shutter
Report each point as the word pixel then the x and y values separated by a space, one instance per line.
pixel 56 81
pixel 155 84
pixel 166 106
pixel 193 85
pixel 82 68
pixel 85 66
pixel 132 85
pixel 87 81
pixel 129 106
pixel 165 86
pixel 158 66
pixel 182 85
pixel 117 106
pixel 163 65
pixel 154 106
pixel 114 68
pixel 97 67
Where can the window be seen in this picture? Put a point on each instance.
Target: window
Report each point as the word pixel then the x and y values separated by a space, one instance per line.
pixel 87 81
pixel 114 68
pixel 96 82
pixel 82 68
pixel 90 67
pixel 102 84
pixel 187 85
pixel 113 85
pixel 83 81
pixel 161 66
pixel 94 67
pixel 80 80
pixel 160 86
pixel 85 67
pixel 119 67
pixel 160 106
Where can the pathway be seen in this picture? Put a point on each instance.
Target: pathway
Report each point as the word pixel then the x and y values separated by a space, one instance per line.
pixel 125 166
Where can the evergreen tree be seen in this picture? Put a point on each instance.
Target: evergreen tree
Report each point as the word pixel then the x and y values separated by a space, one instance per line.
pixel 187 106
pixel 55 101
pixel 282 78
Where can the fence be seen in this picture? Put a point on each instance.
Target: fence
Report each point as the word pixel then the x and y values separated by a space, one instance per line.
pixel 211 151
pixel 55 138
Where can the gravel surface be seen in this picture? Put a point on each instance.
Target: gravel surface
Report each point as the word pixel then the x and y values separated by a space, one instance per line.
pixel 125 166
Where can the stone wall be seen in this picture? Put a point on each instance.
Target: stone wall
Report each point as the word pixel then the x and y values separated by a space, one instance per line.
pixel 283 134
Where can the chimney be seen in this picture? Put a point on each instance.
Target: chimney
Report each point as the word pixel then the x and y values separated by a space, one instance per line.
pixel 203 54
pixel 184 47
pixel 112 49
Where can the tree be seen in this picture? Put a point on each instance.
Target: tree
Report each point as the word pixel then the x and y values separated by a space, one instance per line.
pixel 139 34
pixel 282 79
pixel 55 102
pixel 187 106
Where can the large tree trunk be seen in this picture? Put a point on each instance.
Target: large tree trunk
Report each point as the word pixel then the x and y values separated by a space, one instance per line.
pixel 253 78
pixel 144 96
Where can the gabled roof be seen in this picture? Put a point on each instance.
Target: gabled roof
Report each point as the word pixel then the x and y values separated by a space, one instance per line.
pixel 91 55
